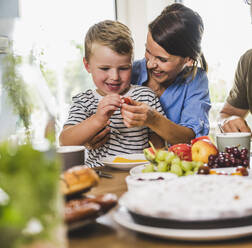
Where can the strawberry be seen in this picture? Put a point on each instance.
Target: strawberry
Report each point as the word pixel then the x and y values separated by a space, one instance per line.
pixel 183 151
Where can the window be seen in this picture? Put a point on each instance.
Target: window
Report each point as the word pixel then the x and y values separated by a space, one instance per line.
pixel 227 35
pixel 51 34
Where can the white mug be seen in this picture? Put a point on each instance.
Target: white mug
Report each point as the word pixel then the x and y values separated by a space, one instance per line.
pixel 71 156
pixel 239 139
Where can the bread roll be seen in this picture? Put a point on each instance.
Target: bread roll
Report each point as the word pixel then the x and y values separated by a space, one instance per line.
pixel 78 179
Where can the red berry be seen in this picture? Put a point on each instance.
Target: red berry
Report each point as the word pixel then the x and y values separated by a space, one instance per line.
pixel 127 101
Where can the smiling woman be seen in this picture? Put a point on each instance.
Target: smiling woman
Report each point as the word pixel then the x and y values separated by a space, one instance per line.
pixel 176 71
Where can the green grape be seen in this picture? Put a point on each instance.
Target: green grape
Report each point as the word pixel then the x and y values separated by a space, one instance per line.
pixel 149 168
pixel 186 165
pixel 187 173
pixel 196 164
pixel 169 157
pixel 161 154
pixel 176 160
pixel 162 166
pixel 176 169
pixel 196 169
pixel 199 163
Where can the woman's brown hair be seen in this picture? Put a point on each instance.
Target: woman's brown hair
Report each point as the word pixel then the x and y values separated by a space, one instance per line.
pixel 179 29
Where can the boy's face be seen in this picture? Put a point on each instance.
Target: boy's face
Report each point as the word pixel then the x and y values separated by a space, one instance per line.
pixel 111 72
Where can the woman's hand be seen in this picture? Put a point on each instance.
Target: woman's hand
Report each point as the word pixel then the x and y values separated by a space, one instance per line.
pixel 137 114
pixel 140 114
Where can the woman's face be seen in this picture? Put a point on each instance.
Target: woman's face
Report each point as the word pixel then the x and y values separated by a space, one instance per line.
pixel 162 66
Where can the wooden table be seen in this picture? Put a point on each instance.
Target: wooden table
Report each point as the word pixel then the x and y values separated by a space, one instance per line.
pixel 106 233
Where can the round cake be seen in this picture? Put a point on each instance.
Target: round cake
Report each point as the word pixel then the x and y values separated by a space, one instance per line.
pixel 193 198
pixel 145 179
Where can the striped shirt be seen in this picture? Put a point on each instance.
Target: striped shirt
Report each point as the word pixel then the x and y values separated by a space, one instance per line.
pixel 123 140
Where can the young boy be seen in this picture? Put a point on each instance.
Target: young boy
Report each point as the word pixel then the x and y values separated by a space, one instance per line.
pixel 109 57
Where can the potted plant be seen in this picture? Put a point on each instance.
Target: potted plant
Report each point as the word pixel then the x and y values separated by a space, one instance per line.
pixel 13 83
pixel 30 200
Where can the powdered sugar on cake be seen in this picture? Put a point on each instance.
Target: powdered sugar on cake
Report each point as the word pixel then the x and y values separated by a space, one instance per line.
pixel 193 198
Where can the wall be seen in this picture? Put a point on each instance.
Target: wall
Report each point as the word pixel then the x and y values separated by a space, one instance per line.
pixel 137 14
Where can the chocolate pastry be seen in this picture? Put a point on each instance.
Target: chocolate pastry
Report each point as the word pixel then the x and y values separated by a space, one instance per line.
pixel 75 210
pixel 88 207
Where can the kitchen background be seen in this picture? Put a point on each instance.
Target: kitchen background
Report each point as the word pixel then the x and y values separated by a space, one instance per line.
pixel 47 42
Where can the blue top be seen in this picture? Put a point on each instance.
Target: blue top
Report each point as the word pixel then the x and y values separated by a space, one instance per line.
pixel 185 102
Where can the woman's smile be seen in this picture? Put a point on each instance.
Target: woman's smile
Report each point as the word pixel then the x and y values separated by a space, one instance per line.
pixel 157 73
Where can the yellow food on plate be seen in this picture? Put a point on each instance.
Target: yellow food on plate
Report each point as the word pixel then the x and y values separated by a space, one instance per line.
pixel 126 160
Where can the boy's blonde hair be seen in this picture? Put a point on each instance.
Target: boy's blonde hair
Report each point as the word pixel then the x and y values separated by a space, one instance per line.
pixel 112 34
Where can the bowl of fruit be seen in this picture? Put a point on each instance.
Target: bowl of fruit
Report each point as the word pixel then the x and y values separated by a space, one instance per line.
pixel 199 157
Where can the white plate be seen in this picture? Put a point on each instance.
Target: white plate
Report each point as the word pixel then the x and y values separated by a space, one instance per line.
pixel 108 161
pixel 138 169
pixel 122 217
pixel 78 224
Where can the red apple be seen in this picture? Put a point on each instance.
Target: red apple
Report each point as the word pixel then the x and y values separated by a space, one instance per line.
pixel 201 150
pixel 199 138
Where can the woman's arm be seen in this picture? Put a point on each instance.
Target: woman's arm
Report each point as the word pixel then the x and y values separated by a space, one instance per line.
pixel 140 114
pixel 157 141
pixel 169 130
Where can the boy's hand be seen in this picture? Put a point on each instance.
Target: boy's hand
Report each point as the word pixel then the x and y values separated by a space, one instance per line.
pixel 107 106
